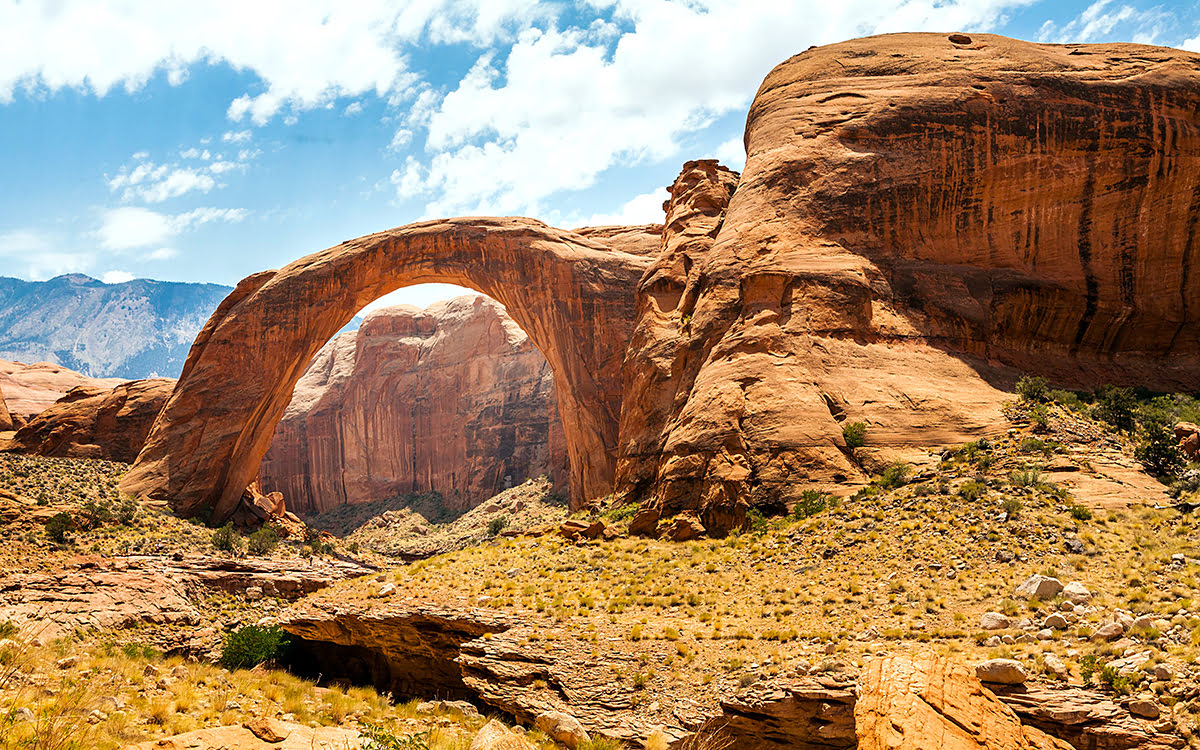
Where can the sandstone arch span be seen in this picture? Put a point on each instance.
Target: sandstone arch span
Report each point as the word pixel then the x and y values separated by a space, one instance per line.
pixel 572 292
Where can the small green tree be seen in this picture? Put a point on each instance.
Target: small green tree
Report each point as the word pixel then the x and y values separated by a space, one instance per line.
pixel 854 434
pixel 1157 450
pixel 262 542
pixel 252 645
pixel 496 525
pixel 1115 406
pixel 226 539
pixel 812 502
pixel 58 525
pixel 1033 390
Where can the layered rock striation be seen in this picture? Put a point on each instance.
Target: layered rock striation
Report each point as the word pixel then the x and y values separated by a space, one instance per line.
pixel 921 218
pixel 454 399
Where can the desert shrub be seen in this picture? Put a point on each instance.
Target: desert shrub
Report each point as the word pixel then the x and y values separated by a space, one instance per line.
pixel 58 525
pixel 1088 666
pixel 971 490
pixel 1157 450
pixel 812 502
pixel 1033 390
pixel 855 434
pixel 94 514
pixel 1115 406
pixel 496 525
pixel 1039 416
pixel 379 738
pixel 619 513
pixel 1011 506
pixel 8 629
pixel 262 542
pixel 1030 476
pixel 127 511
pixel 252 645
pixel 1079 512
pixel 140 651
pixel 1066 399
pixel 894 476
pixel 226 539
pixel 755 520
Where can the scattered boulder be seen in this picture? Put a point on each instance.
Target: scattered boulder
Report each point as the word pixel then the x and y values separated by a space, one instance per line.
pixel 575 528
pixel 1108 632
pixel 685 528
pixel 562 727
pixel 496 736
pixel 994 621
pixel 1144 707
pixel 1187 435
pixel 1001 671
pixel 1038 586
pixel 1055 622
pixel 268 729
pixel 1076 593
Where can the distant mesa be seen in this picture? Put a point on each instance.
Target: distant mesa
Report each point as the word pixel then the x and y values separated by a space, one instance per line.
pixel 918 222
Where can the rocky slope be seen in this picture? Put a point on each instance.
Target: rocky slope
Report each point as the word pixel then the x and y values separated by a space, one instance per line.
pixel 92 422
pixel 454 399
pixel 136 329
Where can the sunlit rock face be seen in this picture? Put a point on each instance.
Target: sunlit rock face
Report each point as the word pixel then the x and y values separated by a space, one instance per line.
pixel 454 398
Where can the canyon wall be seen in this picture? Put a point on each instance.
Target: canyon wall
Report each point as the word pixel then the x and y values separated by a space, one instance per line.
pixel 454 398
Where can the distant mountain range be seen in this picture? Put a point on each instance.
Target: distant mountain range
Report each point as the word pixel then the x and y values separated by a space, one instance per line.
pixel 136 329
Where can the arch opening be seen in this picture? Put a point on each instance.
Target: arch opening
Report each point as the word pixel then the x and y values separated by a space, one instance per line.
pixel 441 406
pixel 571 292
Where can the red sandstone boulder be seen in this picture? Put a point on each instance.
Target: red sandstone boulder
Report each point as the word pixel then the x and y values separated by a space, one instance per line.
pixel 1188 437
pixel 92 422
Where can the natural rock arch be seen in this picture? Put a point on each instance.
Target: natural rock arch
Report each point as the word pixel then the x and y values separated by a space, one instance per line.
pixel 572 292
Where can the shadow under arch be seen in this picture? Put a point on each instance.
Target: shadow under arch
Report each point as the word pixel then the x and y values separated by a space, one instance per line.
pixel 571 292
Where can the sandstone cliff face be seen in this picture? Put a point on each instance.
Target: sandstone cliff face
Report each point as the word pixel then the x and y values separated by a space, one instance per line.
pixel 454 398
pixel 918 220
pixel 92 422
pixel 29 389
pixel 921 218
pixel 6 420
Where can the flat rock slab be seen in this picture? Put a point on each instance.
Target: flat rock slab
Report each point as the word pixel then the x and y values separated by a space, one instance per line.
pixel 222 738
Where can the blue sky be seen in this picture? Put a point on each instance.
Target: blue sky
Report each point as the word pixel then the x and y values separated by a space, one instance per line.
pixel 208 141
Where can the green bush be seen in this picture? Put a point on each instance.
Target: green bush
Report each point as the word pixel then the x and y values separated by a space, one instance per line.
pixel 1034 390
pixel 1115 406
pixel 226 539
pixel 755 520
pixel 812 502
pixel 58 525
pixel 1079 512
pixel 1011 506
pixel 1157 449
pixel 1030 476
pixel 262 542
pixel 855 434
pixel 95 513
pixel 8 629
pixel 894 476
pixel 496 525
pixel 252 645
pixel 971 490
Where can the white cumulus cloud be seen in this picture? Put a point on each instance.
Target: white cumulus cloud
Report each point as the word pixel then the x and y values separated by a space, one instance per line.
pixel 116 277
pixel 131 227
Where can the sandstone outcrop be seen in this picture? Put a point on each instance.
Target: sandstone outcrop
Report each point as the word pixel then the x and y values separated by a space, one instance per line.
pixel 454 398
pixel 95 422
pixel 6 420
pixel 568 290
pixel 151 589
pixel 30 389
pixel 921 219
pixel 916 215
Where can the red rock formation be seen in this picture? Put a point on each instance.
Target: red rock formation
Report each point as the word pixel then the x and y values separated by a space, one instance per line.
pixel 921 218
pixel 454 398
pixel 6 420
pixel 30 389
pixel 916 213
pixel 569 291
pixel 92 422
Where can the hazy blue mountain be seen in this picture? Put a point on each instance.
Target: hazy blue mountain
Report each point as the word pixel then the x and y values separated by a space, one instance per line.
pixel 138 329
